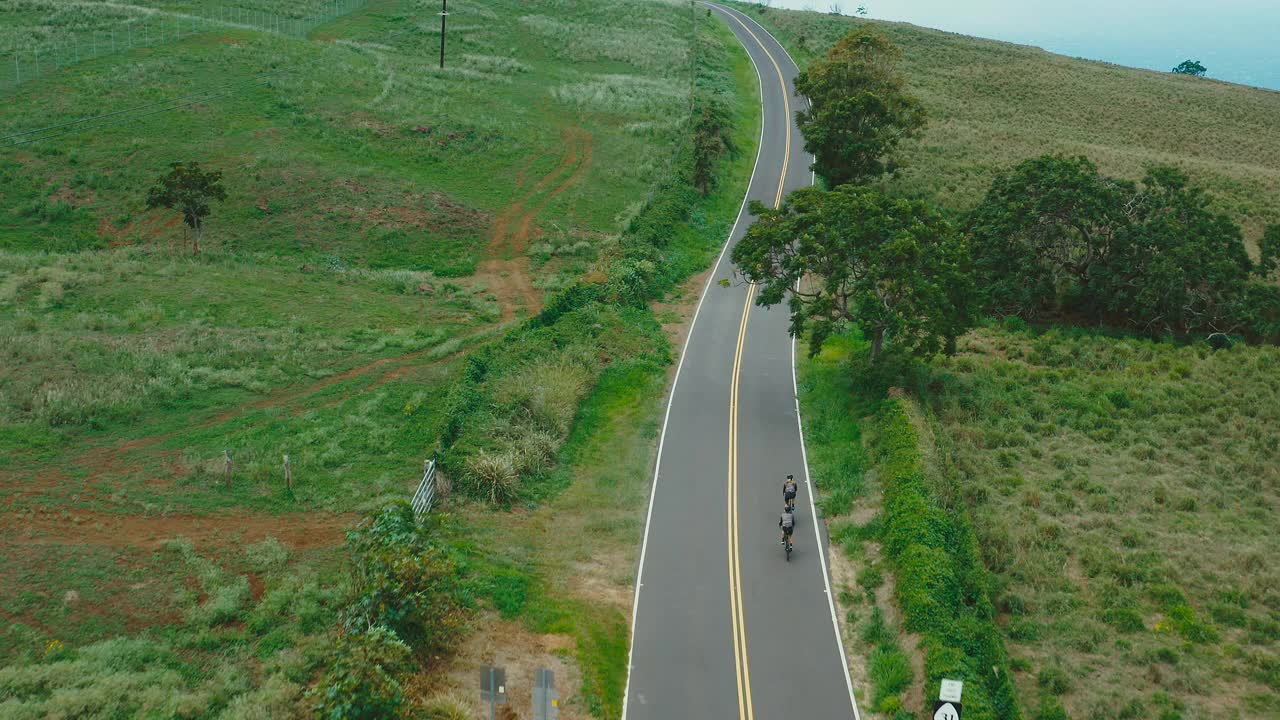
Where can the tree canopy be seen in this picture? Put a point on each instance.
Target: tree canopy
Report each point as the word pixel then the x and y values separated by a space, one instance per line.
pixel 860 109
pixel 189 189
pixel 1190 67
pixel 894 268
pixel 1056 237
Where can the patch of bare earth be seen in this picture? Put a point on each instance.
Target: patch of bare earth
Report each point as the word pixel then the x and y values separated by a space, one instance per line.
pixel 511 646
pixel 505 270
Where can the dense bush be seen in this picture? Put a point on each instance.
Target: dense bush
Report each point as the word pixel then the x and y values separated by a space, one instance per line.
pixel 361 680
pixel 1054 236
pixel 941 584
pixel 405 580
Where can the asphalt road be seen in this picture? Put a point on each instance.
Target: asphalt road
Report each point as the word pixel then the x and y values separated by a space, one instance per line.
pixel 724 626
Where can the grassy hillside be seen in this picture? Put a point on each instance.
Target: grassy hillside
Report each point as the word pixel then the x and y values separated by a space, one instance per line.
pixel 992 104
pixel 385 219
pixel 1125 494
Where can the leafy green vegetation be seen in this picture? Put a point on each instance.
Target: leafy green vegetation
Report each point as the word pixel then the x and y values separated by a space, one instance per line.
pixel 892 268
pixel 942 586
pixel 859 112
pixel 1054 237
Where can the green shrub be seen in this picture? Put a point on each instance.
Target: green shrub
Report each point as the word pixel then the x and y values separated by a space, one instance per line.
pixel 1051 709
pixel 1123 619
pixel 875 632
pixel 941 585
pixel 870 579
pixel 890 672
pixel 1054 680
pixel 405 580
pixel 360 681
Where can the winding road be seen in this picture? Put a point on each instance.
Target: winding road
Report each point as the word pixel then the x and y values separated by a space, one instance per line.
pixel 724 627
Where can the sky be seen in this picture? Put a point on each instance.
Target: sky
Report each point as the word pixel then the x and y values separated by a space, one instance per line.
pixel 1237 40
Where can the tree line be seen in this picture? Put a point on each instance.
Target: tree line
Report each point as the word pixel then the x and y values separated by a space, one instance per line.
pixel 1054 240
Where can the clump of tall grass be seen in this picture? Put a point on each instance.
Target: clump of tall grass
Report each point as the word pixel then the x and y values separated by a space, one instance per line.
pixel 625 94
pixel 446 707
pixel 493 475
pixel 120 677
pixel 547 392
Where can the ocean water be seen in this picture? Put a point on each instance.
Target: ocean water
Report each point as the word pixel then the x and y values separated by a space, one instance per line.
pixel 1237 40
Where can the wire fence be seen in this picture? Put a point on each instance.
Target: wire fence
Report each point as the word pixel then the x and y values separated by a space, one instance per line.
pixel 49 53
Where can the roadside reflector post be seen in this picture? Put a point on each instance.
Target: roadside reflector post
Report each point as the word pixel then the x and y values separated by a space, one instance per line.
pixel 493 688
pixel 546 703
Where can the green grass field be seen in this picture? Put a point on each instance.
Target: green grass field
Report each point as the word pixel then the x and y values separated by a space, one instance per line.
pixel 385 219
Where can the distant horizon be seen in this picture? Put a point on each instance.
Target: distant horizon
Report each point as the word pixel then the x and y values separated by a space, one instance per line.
pixel 1235 41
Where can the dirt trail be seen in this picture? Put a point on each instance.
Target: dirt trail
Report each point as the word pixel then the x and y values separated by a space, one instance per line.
pixel 506 269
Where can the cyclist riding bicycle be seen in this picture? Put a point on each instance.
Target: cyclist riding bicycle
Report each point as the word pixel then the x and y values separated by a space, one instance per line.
pixel 789 492
pixel 788 524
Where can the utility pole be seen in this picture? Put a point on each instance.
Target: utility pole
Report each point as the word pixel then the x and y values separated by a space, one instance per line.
pixel 444 16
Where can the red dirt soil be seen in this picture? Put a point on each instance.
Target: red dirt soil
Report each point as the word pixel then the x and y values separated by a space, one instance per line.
pixel 506 270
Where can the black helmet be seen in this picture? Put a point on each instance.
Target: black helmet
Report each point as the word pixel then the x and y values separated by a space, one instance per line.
pixel 790 476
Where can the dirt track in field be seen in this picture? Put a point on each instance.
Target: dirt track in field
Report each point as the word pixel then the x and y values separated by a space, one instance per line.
pixel 505 270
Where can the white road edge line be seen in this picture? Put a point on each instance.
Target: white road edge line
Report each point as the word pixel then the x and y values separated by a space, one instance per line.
pixel 653 491
pixel 804 454
pixel 817 535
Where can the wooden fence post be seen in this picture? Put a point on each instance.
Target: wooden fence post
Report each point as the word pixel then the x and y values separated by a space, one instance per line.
pixel 288 475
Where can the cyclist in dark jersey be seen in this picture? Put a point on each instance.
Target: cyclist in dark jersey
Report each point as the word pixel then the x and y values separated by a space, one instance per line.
pixel 788 524
pixel 789 492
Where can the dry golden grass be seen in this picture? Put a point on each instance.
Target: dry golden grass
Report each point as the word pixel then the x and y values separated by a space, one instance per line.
pixel 1126 495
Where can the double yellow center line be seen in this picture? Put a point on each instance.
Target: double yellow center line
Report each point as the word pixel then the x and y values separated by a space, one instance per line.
pixel 741 666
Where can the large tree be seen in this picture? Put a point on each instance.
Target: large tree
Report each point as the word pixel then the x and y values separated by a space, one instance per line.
pixel 860 109
pixel 191 190
pixel 1190 67
pixel 1056 238
pixel 894 268
pixel 1042 232
pixel 1178 266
